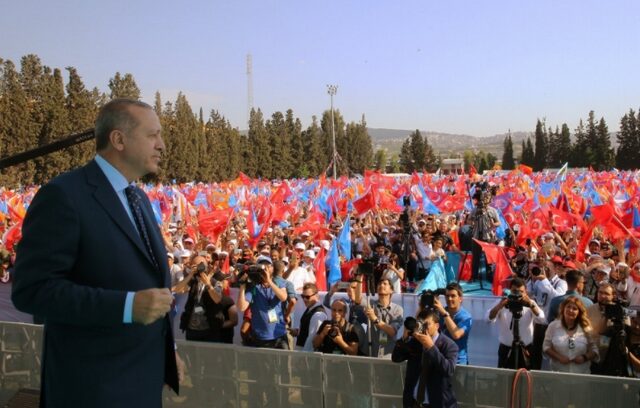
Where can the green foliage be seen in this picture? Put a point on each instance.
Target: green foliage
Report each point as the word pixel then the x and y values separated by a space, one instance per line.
pixel 541 152
pixel 380 160
pixel 508 162
pixel 628 153
pixel 123 87
pixel 528 155
pixel 417 154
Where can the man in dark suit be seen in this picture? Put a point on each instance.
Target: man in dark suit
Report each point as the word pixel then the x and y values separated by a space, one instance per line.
pixel 92 264
pixel 431 361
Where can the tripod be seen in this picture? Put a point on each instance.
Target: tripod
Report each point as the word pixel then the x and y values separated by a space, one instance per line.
pixel 516 358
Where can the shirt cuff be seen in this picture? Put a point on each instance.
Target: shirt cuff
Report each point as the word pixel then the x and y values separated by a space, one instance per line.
pixel 128 308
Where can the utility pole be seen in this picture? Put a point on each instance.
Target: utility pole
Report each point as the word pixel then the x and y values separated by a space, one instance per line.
pixel 332 90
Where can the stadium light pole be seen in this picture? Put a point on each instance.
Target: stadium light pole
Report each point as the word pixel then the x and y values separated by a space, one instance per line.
pixel 332 90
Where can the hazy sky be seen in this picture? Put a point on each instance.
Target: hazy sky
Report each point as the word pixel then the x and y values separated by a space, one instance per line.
pixel 477 67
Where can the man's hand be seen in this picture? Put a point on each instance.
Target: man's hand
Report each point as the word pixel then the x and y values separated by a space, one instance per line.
pixel 424 339
pixel 438 306
pixel 371 314
pixel 150 305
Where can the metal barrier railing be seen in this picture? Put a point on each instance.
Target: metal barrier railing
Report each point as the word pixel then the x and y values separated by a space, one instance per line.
pixel 220 375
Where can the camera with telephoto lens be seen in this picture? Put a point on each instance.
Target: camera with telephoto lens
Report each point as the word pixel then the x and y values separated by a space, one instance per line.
pixel 334 330
pixel 427 297
pixel 413 325
pixel 515 304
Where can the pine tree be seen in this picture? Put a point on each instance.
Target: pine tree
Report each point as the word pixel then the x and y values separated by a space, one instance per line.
pixel 81 110
pixel 280 144
pixel 528 154
pixel 360 154
pixel 260 161
pixel 124 87
pixel 540 156
pixel 313 152
pixel 628 153
pixel 296 146
pixel 55 126
pixel 603 154
pixel 562 146
pixel 380 160
pixel 14 126
pixel 431 161
pixel 508 162
pixel 406 157
pixel 582 155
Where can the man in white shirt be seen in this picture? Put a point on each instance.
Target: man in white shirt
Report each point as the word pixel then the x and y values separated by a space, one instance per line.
pixel 301 274
pixel 531 314
pixel 544 285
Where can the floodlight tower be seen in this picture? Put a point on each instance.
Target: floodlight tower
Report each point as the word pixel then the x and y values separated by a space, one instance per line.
pixel 249 87
pixel 332 90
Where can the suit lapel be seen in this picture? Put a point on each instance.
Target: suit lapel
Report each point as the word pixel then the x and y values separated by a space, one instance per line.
pixel 109 201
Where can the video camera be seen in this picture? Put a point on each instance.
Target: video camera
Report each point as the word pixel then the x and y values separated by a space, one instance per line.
pixel 404 217
pixel 515 304
pixel 427 297
pixel 254 274
pixel 483 188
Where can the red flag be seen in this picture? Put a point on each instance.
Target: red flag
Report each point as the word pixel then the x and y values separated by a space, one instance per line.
pixel 472 170
pixel 525 169
pixel 12 236
pixel 212 224
pixel 345 269
pixel 365 203
pixel 320 270
pixel 496 255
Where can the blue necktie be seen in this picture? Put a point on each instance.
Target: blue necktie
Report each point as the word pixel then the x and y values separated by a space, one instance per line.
pixel 135 203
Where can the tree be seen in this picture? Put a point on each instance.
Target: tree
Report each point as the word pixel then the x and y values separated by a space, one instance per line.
pixel 15 136
pixel 280 145
pixel 405 159
pixel 123 87
pixel 582 155
pixel 380 160
pixel 296 146
pixel 603 154
pixel 260 160
pixel 528 155
pixel 359 155
pixel 81 110
pixel 628 153
pixel 540 155
pixel 508 162
pixel 312 143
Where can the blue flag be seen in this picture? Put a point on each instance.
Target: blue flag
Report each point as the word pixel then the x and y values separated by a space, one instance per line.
pixel 333 264
pixel 344 239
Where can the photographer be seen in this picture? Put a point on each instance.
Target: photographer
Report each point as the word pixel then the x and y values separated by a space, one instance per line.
pixel 543 291
pixel 385 320
pixel 431 360
pixel 265 298
pixel 208 314
pixel 610 325
pixel 336 336
pixel 517 306
pixel 455 320
pixel 484 220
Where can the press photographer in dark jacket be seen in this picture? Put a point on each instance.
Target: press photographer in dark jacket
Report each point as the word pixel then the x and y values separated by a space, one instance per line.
pixel 208 315
pixel 431 361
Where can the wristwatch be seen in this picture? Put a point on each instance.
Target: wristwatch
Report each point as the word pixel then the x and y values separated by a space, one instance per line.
pixel 376 322
pixel 445 315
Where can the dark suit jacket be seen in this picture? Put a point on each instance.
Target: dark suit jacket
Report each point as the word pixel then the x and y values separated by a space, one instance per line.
pixel 437 364
pixel 79 256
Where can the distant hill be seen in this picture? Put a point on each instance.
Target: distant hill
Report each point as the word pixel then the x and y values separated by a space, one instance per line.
pixel 445 144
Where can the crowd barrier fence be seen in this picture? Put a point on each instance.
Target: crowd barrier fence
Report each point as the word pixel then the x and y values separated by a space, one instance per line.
pixel 220 375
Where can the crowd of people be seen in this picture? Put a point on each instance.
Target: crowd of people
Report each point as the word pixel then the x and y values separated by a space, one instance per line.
pixel 571 276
